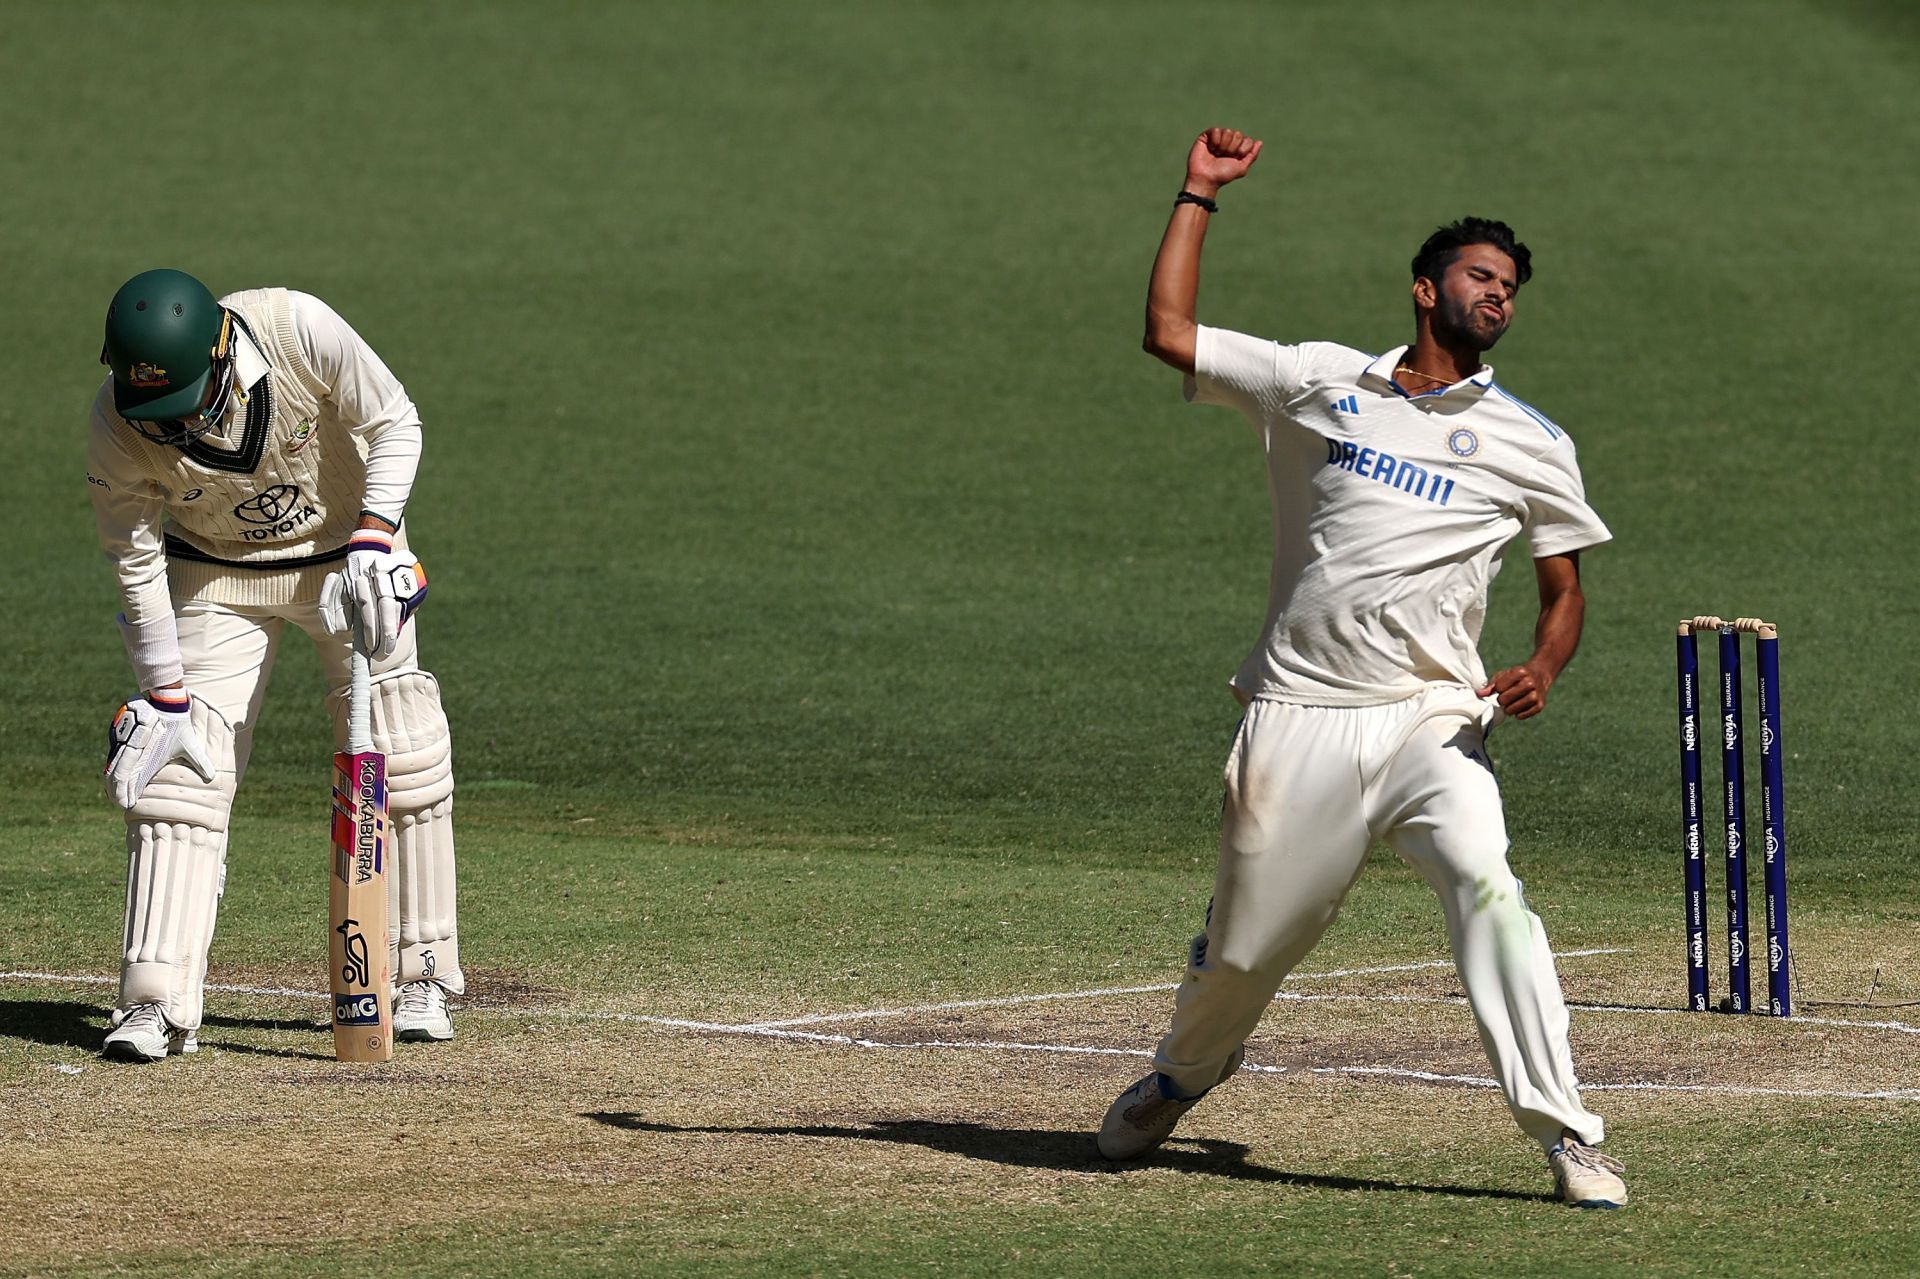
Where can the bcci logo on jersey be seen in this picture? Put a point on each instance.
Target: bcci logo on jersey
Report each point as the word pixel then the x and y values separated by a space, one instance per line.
pixel 356 1010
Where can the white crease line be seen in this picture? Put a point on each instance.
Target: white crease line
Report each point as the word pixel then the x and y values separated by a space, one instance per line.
pixel 1004 1001
pixel 80 979
pixel 1745 1090
pixel 1897 1027
pixel 1007 1001
pixel 1389 1072
pixel 1460 1001
pixel 1900 1026
pixel 1084 1050
pixel 1451 1001
pixel 990 1045
pixel 76 978
pixel 1798 1019
pixel 1733 1090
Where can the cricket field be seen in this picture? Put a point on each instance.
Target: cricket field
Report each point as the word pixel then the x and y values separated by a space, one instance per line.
pixel 834 609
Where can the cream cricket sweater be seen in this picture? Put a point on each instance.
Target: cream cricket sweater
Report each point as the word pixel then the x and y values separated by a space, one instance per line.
pixel 258 511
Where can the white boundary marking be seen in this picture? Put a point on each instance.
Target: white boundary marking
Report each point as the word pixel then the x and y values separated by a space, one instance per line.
pixel 784 1029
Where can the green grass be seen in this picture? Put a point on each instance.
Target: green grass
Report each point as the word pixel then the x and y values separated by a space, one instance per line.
pixel 833 606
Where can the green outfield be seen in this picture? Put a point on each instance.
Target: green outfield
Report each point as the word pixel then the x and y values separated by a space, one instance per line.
pixel 833 608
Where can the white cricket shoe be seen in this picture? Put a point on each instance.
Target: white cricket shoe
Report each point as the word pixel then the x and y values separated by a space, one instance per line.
pixel 1584 1177
pixel 1143 1116
pixel 143 1033
pixel 420 1013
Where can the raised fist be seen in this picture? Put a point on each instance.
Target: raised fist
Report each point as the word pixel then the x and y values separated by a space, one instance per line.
pixel 1219 156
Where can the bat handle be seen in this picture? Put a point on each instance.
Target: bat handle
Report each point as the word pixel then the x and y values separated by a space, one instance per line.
pixel 359 696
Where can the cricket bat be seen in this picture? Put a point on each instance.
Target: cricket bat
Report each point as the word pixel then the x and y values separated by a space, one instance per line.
pixel 357 917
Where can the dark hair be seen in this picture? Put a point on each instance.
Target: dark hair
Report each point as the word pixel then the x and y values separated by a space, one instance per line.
pixel 1444 245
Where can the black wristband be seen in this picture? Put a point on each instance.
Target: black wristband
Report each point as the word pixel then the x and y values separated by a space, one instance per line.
pixel 1188 197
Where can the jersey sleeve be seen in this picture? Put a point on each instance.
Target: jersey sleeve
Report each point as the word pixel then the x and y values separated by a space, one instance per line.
pixel 1251 374
pixel 370 398
pixel 1558 519
pixel 128 507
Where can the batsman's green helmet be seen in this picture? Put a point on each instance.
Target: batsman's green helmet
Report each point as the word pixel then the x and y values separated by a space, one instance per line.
pixel 165 335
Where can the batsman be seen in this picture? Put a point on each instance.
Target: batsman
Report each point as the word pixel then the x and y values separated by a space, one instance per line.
pixel 249 462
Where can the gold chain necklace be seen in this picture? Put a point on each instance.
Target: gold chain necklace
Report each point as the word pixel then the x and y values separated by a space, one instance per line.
pixel 1437 381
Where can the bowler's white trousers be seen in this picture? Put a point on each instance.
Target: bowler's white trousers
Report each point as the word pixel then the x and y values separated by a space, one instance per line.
pixel 1308 789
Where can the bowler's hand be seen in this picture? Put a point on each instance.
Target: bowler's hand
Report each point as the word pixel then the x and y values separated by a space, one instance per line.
pixel 1522 690
pixel 1219 156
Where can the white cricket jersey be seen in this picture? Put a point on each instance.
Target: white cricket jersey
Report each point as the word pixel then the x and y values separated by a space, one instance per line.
pixel 1390 514
pixel 260 509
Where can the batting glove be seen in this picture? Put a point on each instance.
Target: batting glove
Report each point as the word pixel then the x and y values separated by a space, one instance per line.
pixel 147 734
pixel 374 595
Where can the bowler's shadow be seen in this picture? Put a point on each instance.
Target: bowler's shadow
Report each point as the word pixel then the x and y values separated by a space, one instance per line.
pixel 1064 1151
pixel 63 1023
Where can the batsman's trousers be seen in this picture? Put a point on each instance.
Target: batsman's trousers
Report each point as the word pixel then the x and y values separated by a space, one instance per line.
pixel 177 833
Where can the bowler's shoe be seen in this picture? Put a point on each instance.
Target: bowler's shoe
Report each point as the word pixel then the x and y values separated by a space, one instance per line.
pixel 1144 1115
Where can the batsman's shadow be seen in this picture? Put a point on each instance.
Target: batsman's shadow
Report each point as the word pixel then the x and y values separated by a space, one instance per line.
pixel 59 1023
pixel 1064 1151
pixel 66 1023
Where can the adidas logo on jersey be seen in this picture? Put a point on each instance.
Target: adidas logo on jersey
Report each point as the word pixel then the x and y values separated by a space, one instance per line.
pixel 1348 404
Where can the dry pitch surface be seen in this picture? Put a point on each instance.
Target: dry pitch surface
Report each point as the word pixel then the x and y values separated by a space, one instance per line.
pixel 550 1110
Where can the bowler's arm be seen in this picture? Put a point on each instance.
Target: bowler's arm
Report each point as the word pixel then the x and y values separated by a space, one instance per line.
pixel 1523 689
pixel 1218 156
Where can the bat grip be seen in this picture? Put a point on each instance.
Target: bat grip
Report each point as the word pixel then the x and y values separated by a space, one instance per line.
pixel 359 697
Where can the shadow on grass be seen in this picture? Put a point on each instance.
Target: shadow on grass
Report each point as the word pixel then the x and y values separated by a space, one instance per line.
pixel 1064 1151
pixel 64 1023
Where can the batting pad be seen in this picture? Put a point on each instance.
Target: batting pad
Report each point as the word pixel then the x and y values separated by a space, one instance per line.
pixel 410 727
pixel 175 874
pixel 176 793
pixel 423 925
pixel 176 869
